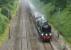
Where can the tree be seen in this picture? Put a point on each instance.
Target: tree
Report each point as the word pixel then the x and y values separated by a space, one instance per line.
pixel 60 3
pixel 6 2
pixel 45 1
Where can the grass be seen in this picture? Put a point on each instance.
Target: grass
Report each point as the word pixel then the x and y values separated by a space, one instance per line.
pixel 4 36
pixel 3 29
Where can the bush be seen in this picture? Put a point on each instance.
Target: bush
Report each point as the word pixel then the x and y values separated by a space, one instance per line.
pixel 3 23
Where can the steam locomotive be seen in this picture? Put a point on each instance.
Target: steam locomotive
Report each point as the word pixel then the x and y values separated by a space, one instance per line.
pixel 43 28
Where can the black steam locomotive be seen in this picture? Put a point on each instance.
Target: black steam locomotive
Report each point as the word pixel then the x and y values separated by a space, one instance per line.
pixel 44 29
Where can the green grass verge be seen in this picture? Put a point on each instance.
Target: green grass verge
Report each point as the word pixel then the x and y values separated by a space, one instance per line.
pixel 4 36
pixel 3 28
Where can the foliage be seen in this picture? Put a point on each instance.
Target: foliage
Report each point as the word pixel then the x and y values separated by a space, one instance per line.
pixel 6 2
pixel 7 10
pixel 3 23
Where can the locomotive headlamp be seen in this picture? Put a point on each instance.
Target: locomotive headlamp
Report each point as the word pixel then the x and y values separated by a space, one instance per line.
pixel 50 34
pixel 46 34
pixel 42 34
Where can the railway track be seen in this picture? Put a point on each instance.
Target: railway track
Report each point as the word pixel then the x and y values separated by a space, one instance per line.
pixel 48 46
